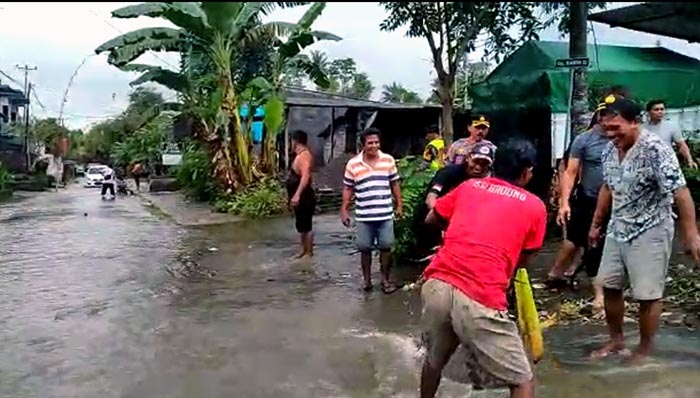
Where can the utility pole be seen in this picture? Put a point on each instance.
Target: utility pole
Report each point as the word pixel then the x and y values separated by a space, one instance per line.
pixel 578 47
pixel 27 90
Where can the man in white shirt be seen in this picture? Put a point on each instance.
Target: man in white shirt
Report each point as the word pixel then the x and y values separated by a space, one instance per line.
pixel 656 110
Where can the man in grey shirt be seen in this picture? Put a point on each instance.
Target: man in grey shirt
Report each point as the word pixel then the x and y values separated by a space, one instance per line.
pixel 576 211
pixel 656 110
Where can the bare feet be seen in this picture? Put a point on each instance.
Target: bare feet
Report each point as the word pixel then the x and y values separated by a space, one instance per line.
pixel 302 255
pixel 636 358
pixel 610 348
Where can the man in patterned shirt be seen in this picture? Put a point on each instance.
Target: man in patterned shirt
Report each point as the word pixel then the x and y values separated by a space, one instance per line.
pixel 641 178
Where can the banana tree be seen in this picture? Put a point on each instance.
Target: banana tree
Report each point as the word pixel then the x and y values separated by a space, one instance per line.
pixel 288 58
pixel 213 33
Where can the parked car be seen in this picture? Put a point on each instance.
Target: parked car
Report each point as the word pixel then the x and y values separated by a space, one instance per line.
pixel 93 177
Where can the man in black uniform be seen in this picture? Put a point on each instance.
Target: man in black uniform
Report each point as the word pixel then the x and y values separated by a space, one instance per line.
pixel 449 177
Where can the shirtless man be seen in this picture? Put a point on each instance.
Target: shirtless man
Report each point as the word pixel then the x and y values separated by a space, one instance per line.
pixel 302 198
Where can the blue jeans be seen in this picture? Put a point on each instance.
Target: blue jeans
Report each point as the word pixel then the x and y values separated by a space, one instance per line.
pixel 371 232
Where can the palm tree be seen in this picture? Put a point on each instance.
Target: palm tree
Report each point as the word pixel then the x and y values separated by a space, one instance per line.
pixel 210 38
pixel 396 92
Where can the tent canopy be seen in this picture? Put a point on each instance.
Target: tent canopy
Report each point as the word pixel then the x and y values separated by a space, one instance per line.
pixel 672 19
pixel 529 77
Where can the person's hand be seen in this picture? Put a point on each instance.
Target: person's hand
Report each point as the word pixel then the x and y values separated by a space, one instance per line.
pixel 295 201
pixel 692 247
pixel 399 211
pixel 594 236
pixel 692 164
pixel 563 215
pixel 345 218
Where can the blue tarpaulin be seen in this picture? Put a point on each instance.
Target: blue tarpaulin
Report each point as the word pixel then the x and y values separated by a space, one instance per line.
pixel 257 126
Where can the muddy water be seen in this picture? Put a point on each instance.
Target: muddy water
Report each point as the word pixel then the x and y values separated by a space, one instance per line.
pixel 109 305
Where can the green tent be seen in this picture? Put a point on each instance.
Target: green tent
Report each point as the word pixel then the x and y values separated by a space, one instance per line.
pixel 529 78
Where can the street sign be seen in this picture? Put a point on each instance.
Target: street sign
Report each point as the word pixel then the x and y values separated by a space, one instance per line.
pixel 572 62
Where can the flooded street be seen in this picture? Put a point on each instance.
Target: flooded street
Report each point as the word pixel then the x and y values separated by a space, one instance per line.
pixel 108 299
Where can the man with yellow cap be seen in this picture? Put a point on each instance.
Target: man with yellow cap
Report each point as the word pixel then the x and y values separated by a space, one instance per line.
pixel 478 129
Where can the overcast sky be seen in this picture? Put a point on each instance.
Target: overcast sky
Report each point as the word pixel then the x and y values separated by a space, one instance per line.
pixel 57 37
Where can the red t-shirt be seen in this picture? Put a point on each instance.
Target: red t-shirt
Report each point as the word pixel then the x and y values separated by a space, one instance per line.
pixel 490 223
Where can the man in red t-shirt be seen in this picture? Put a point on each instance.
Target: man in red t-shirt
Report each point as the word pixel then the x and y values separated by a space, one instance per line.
pixel 493 226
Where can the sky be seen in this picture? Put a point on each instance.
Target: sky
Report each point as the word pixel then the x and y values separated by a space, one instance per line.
pixel 57 37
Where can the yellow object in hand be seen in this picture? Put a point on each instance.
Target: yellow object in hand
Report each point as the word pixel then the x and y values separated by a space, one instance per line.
pixel 528 319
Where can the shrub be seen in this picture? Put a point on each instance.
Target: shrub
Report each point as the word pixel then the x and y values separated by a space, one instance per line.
pixel 195 173
pixel 263 199
pixel 415 177
pixel 5 178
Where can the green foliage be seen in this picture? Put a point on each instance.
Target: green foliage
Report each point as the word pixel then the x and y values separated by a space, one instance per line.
pixel 415 178
pixel 451 30
pixel 194 173
pixel 263 199
pixel 146 144
pixel 559 11
pixel 5 179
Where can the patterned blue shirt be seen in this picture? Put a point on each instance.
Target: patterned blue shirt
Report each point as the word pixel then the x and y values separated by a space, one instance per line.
pixel 642 185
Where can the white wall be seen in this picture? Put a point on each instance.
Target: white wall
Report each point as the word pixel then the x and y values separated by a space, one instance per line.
pixel 685 119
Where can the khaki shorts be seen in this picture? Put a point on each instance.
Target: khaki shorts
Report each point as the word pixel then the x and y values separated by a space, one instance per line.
pixel 495 349
pixel 644 260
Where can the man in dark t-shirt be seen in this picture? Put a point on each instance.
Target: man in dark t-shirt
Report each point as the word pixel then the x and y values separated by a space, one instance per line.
pixel 445 180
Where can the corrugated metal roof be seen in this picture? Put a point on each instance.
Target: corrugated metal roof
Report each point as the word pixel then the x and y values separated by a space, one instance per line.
pixel 671 19
pixel 300 97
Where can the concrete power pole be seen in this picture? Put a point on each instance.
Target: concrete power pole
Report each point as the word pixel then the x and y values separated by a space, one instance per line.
pixel 27 91
pixel 578 46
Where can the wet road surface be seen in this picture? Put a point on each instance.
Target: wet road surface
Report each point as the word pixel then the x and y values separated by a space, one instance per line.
pixel 122 302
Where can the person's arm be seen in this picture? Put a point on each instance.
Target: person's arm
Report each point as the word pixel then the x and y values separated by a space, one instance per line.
pixel 685 151
pixel 671 180
pixel 602 209
pixel 439 181
pixel 348 191
pixel 573 168
pixel 686 213
pixel 305 173
pixel 430 153
pixel 396 188
pixel 444 207
pixel 568 178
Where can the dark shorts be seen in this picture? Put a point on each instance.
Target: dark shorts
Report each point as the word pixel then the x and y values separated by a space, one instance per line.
pixel 582 210
pixel 304 212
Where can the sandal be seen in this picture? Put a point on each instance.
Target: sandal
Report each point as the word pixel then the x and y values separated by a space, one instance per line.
pixel 388 289
pixel 557 283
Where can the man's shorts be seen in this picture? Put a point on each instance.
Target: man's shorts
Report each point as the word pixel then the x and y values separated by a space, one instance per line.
pixel 375 234
pixel 496 353
pixel 644 260
pixel 582 211
pixel 304 213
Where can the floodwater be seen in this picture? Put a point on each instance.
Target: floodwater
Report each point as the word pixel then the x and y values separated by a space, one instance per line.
pixel 106 299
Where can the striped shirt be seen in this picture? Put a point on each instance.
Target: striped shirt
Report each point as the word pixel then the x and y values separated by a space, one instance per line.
pixel 372 187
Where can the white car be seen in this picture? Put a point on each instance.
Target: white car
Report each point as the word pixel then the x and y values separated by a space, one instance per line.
pixel 93 177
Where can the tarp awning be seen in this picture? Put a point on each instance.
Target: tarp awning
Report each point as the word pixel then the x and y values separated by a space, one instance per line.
pixel 529 77
pixel 671 19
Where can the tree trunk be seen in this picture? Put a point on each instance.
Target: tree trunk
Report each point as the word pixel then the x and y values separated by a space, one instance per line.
pixel 446 93
pixel 578 49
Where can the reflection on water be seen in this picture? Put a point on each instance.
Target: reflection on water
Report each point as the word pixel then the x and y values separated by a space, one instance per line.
pixel 116 304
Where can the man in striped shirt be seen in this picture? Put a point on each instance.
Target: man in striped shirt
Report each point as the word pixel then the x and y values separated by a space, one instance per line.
pixel 373 178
